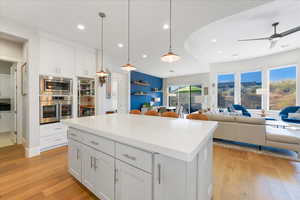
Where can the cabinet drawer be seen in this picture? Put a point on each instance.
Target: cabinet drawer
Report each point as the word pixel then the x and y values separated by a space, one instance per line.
pixel 52 129
pixel 135 157
pixel 97 142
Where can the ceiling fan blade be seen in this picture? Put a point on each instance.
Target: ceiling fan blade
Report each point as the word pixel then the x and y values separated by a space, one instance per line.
pixel 246 40
pixel 293 30
pixel 273 43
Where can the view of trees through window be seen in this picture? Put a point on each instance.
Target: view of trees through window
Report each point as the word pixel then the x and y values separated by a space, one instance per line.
pixel 188 96
pixel 282 87
pixel 225 90
pixel 250 83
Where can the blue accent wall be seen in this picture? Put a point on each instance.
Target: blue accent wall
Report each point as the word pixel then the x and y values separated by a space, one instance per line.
pixel 155 82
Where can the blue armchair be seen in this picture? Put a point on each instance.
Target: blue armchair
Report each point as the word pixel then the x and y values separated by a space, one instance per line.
pixel 284 114
pixel 241 108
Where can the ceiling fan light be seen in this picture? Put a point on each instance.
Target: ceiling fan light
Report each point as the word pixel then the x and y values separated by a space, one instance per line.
pixel 102 73
pixel 170 57
pixel 128 67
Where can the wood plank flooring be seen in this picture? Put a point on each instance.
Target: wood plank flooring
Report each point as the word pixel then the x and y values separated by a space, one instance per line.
pixel 238 176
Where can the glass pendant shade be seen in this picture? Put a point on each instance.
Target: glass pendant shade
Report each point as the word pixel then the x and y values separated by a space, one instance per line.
pixel 128 67
pixel 170 57
pixel 102 73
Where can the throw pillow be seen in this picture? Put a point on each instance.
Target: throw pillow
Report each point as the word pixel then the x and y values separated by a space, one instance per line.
pixel 295 116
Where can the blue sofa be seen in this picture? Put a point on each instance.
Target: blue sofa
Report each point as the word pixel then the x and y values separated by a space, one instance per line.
pixel 284 114
pixel 241 108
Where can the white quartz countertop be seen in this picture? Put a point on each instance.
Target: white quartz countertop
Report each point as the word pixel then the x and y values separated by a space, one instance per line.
pixel 176 138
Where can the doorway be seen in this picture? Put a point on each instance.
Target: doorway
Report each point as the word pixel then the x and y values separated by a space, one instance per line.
pixel 8 103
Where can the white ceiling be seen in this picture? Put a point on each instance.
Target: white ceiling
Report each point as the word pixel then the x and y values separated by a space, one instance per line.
pixel 254 23
pixel 61 17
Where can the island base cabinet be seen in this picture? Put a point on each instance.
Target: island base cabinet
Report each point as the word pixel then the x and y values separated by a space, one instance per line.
pixel 132 183
pixel 174 179
pixel 178 180
pixel 99 173
pixel 75 159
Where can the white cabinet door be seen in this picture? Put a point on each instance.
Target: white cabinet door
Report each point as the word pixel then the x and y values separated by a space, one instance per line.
pixel 56 58
pixel 132 183
pixel 66 60
pixel 6 122
pixel 48 56
pixel 99 173
pixel 169 178
pixel 75 152
pixel 5 86
pixel 85 62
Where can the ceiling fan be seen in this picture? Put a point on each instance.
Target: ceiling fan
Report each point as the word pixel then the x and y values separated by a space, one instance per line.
pixel 276 36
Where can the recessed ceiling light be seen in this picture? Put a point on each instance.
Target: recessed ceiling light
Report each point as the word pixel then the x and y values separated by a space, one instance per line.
pixel 81 27
pixel 120 45
pixel 214 40
pixel 144 56
pixel 220 52
pixel 166 26
pixel 235 55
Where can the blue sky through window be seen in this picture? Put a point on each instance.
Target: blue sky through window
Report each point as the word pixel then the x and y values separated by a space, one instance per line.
pixel 226 78
pixel 286 73
pixel 251 77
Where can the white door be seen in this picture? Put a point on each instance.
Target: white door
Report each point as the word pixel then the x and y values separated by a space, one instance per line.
pixel 99 173
pixel 75 152
pixel 13 96
pixel 132 183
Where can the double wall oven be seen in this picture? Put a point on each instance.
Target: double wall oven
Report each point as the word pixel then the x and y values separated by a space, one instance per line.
pixel 56 99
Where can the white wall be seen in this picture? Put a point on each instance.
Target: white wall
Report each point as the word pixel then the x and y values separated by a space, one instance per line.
pixel 195 79
pixel 261 63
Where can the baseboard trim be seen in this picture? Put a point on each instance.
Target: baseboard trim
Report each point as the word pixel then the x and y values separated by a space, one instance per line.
pixel 31 152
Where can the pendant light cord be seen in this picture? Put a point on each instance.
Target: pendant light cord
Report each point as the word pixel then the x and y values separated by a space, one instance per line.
pixel 170 26
pixel 102 49
pixel 128 45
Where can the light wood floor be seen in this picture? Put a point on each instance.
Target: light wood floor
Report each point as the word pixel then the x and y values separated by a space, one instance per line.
pixel 238 176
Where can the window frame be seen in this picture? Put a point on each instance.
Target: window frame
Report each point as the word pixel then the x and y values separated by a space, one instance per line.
pixel 262 86
pixel 268 84
pixel 234 86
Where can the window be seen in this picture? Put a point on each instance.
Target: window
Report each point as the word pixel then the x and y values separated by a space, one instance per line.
pixel 282 87
pixel 190 97
pixel 225 90
pixel 250 83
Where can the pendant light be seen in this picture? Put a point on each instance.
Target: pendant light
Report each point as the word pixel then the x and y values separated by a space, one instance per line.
pixel 102 73
pixel 128 67
pixel 170 57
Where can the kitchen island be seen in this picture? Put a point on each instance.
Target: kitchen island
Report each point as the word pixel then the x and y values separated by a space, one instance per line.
pixel 135 157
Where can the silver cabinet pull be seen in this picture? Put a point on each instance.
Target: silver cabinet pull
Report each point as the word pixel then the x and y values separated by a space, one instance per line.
pixel 159 173
pixel 72 134
pixel 77 154
pixel 94 143
pixel 116 175
pixel 91 159
pixel 129 157
pixel 95 164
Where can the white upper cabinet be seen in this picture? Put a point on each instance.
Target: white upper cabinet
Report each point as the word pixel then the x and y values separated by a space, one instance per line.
pixel 85 62
pixel 5 86
pixel 56 58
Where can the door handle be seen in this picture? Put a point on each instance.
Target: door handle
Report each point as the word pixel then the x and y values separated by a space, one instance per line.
pixel 159 173
pixel 116 176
